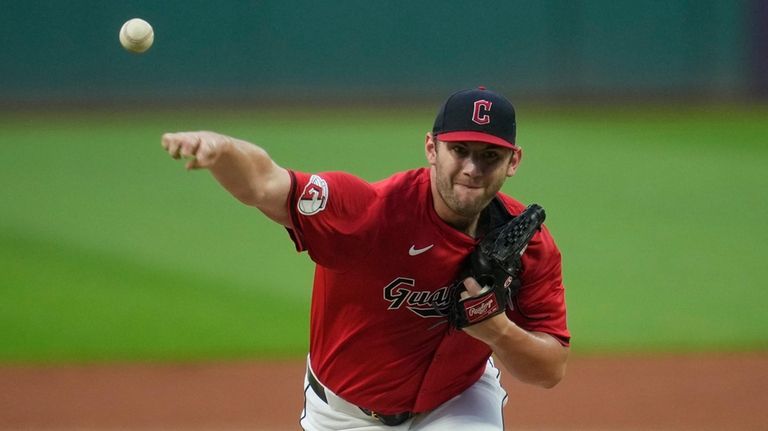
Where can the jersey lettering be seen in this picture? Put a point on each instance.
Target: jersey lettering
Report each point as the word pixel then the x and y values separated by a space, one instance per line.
pixel 481 111
pixel 423 303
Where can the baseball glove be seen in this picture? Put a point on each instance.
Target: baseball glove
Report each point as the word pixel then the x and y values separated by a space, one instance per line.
pixel 495 264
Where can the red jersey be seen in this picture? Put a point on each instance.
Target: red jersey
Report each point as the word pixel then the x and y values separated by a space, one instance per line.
pixel 384 261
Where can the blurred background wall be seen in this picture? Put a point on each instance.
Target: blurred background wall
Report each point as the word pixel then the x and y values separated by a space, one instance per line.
pixel 388 50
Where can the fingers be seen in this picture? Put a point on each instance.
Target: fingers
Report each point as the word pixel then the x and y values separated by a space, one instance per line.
pixel 473 288
pixel 190 149
pixel 197 146
pixel 192 164
pixel 172 143
pixel 206 151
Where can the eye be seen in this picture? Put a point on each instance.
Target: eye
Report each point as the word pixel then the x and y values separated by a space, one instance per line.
pixel 491 155
pixel 460 150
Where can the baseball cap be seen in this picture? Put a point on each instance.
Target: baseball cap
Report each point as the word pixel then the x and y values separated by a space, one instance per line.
pixel 476 115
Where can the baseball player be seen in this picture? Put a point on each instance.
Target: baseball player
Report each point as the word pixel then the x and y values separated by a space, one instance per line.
pixel 389 254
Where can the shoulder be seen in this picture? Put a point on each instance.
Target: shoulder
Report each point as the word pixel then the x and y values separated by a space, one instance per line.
pixel 404 186
pixel 402 198
pixel 409 179
pixel 327 182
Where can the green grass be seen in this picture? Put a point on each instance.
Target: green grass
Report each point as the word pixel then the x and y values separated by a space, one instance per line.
pixel 66 303
pixel 109 250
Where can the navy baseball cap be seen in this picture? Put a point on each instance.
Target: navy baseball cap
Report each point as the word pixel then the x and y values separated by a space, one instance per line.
pixel 477 115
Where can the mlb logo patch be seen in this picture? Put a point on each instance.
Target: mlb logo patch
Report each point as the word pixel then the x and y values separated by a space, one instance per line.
pixel 314 197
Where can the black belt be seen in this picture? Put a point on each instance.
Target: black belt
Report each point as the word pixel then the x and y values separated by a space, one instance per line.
pixel 390 420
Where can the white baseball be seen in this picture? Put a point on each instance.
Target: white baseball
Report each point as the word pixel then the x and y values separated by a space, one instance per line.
pixel 136 35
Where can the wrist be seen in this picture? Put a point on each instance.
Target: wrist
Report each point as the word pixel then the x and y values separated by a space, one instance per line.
pixel 501 328
pixel 491 331
pixel 223 148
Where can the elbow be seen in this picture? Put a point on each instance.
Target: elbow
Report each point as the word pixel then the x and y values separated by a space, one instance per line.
pixel 551 382
pixel 265 190
pixel 546 378
pixel 254 193
pixel 552 378
pixel 555 371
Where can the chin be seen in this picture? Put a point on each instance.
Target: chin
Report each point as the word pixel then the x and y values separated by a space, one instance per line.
pixel 472 198
pixel 469 208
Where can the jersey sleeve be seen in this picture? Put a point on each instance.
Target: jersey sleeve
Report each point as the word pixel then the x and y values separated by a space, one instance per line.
pixel 540 305
pixel 329 217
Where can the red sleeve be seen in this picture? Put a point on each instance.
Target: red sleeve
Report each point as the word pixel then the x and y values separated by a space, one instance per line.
pixel 540 305
pixel 329 216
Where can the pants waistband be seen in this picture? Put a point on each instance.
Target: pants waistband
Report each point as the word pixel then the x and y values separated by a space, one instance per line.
pixel 390 420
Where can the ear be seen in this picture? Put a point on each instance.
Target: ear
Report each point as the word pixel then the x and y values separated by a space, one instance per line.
pixel 430 148
pixel 514 162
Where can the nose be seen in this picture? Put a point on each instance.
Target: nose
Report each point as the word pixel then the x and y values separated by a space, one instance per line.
pixel 471 167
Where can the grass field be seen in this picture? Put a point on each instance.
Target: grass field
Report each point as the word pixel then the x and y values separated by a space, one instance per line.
pixel 109 250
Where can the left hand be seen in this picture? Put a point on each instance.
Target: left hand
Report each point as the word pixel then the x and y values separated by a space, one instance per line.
pixel 489 330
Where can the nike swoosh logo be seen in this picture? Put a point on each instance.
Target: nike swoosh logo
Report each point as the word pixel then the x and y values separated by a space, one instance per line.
pixel 417 251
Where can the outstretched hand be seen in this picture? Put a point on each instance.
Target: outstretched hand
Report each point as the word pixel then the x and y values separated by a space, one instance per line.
pixel 202 148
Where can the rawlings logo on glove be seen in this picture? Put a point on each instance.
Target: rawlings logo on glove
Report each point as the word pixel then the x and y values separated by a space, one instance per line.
pixel 477 311
pixel 495 264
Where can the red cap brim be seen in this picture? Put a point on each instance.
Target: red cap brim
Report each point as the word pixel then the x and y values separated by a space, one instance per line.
pixel 471 136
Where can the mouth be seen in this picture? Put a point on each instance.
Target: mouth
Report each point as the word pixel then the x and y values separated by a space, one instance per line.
pixel 468 186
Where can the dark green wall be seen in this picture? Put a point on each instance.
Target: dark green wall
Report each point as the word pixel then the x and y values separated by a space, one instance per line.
pixel 250 50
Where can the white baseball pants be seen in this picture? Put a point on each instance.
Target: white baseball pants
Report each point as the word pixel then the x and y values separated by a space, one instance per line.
pixel 479 408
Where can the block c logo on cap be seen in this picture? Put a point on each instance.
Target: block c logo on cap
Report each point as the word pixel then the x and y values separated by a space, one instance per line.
pixel 480 113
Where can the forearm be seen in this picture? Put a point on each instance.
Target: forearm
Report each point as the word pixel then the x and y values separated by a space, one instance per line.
pixel 245 170
pixel 532 357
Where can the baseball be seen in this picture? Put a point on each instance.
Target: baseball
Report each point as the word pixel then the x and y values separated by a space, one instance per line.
pixel 136 35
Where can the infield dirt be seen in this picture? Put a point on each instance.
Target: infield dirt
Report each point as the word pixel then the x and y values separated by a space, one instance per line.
pixel 692 392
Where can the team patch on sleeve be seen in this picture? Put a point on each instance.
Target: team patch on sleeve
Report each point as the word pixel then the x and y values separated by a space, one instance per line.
pixel 314 196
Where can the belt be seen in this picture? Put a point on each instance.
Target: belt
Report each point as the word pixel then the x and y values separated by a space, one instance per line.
pixel 390 420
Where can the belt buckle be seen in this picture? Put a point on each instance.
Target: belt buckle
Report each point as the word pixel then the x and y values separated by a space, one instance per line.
pixel 389 420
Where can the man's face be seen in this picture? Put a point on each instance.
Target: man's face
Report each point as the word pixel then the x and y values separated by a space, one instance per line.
pixel 469 174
